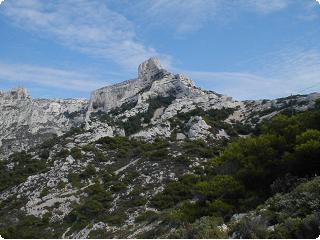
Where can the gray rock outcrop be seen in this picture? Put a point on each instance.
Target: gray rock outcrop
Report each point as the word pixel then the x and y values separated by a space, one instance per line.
pixel 107 98
pixel 25 122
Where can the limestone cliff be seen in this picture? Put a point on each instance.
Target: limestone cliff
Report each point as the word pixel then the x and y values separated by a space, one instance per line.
pixel 113 96
pixel 25 122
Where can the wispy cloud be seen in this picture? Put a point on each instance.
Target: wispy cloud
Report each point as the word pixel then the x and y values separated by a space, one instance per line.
pixel 282 73
pixel 240 85
pixel 311 11
pixel 87 26
pixel 266 6
pixel 186 16
pixel 191 15
pixel 49 77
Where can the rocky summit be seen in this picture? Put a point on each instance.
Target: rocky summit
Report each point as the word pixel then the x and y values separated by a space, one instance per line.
pixel 105 168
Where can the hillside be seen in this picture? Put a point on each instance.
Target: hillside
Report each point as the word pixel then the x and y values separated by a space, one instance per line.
pixel 158 157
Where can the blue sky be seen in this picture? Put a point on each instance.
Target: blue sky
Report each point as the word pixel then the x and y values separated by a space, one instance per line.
pixel 248 49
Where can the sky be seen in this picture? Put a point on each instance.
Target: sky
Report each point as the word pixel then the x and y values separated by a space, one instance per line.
pixel 247 49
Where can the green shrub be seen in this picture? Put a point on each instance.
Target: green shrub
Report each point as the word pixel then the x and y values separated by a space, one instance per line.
pixel 198 148
pixel 89 148
pixel 76 153
pixel 44 154
pixel 173 193
pixel 108 177
pixel 116 219
pixel 94 206
pixel 118 186
pixel 91 208
pixel 99 234
pixel 251 228
pixel 99 156
pixel 24 166
pixel 61 185
pixel 204 228
pixel 149 216
pixel 99 193
pixel 74 178
pixel 63 153
pixel 44 192
pixel 221 186
pixel 88 172
pixel 28 227
pixel 306 160
pixel 157 155
pixel 138 201
pixel 220 208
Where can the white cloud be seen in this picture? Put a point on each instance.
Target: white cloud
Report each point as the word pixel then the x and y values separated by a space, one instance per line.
pixel 282 73
pixel 1 1
pixel 191 15
pixel 186 15
pixel 266 6
pixel 318 1
pixel 50 77
pixel 239 85
pixel 87 26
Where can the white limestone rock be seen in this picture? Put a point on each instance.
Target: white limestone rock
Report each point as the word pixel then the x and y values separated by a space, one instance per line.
pixel 155 131
pixel 113 96
pixel 198 128
pixel 149 68
pixel 222 134
pixel 181 136
pixel 25 122
pixel 15 94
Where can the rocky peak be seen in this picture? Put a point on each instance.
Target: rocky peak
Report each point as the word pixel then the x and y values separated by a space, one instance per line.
pixel 15 94
pixel 149 68
pixel 110 97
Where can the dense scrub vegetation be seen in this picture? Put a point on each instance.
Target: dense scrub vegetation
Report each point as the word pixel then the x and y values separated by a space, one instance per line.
pixel 95 206
pixel 96 182
pixel 29 227
pixel 291 215
pixel 247 173
pixel 21 165
pixel 262 186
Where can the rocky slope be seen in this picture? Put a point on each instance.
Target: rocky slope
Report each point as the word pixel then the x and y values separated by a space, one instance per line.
pixel 25 122
pixel 113 154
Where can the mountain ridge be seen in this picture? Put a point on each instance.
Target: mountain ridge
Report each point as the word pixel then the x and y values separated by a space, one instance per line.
pixel 151 103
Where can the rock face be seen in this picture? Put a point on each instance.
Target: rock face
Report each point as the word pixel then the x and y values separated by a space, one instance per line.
pixel 15 94
pixel 149 68
pixel 25 122
pixel 110 97
pixel 198 128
